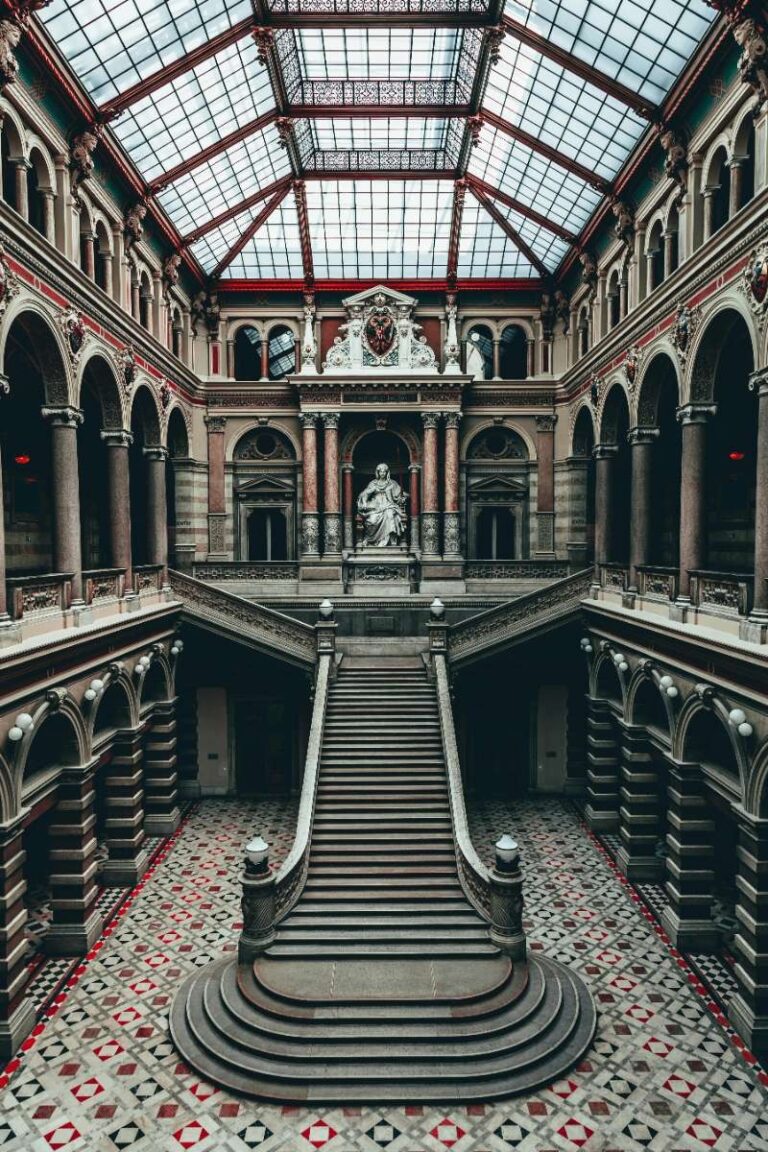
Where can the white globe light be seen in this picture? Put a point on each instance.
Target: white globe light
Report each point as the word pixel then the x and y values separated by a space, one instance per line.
pixel 589 648
pixel 90 694
pixel 97 685
pixel 325 609
pixel 174 651
pixel 139 668
pixel 745 730
pixel 15 733
pixel 180 645
pixel 25 721
pixel 736 716
pixel 623 667
pixel 672 692
pixel 666 681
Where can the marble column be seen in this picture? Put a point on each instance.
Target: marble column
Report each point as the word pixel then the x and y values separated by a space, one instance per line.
pixel 748 1009
pixel 497 359
pixel 265 359
pixel 605 456
pixel 687 919
pixel 414 508
pixel 669 252
pixel 332 508
pixel 119 487
pixel 76 924
pixel 161 808
pixel 545 487
pixel 641 446
pixel 758 382
pixel 22 168
pixel 709 210
pixel 451 525
pixel 310 527
pixel 603 775
pixel 217 500
pixel 348 506
pixel 640 809
pixel 49 214
pixel 530 357
pixel 89 254
pixel 737 181
pixel 123 806
pixel 430 531
pixel 694 419
pixel 135 295
pixel 65 492
pixel 17 1013
pixel 157 511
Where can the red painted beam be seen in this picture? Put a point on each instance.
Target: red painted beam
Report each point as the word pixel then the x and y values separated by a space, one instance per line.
pixel 250 232
pixel 459 193
pixel 176 68
pixel 536 145
pixel 212 150
pixel 511 232
pixel 300 196
pixel 236 209
pixel 508 285
pixel 523 209
pixel 567 60
pixel 378 111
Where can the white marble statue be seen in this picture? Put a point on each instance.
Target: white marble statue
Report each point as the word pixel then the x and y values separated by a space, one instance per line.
pixel 382 507
pixel 475 361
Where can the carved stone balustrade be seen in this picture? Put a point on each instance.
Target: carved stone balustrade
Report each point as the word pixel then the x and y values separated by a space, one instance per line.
pixel 657 583
pixel 36 595
pixel 102 584
pixel 722 593
pixel 147 577
pixel 614 577
pixel 224 571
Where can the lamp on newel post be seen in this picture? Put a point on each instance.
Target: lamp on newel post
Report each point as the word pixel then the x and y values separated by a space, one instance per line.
pixel 258 902
pixel 506 881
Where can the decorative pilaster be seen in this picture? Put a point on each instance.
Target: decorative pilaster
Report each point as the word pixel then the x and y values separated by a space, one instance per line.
pixel 76 924
pixel 157 511
pixel 216 489
pixel 310 527
pixel 451 527
pixel 347 472
pixel 748 1010
pixel 65 490
pixel 602 810
pixel 690 861
pixel 415 510
pixel 17 1014
pixel 161 810
pixel 118 481
pixel 430 532
pixel 641 807
pixel 332 510
pixel 123 808
pixel 641 442
pixel 694 419
pixel 545 488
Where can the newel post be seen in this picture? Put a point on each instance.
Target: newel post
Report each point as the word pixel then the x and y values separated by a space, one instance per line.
pixel 258 902
pixel 506 881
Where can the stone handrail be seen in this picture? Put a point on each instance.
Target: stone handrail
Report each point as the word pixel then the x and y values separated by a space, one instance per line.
pixel 473 874
pixel 516 569
pixel 30 595
pixel 290 877
pixel 722 593
pixel 215 573
pixel 478 635
pixel 271 631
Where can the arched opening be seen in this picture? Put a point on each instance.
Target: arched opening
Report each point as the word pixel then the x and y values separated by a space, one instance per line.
pixel 582 487
pixel 103 258
pixel 743 163
pixel 281 353
pixel 480 339
pixel 583 331
pixel 264 468
pixel 644 809
pixel 654 255
pixel 145 429
pixel 614 299
pixel 87 245
pixel 498 516
pixel 513 353
pixel 657 409
pixel 11 156
pixel 100 405
pixel 178 478
pixel 614 428
pixel 177 334
pixel 717 193
pixel 248 353
pixel 38 190
pixel 154 690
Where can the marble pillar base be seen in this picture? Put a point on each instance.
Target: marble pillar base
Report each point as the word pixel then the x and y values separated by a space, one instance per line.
pixel 162 824
pixel 124 873
pixel 73 939
pixel 331 535
pixel 310 536
pixel 15 1030
pixel 645 869
pixel 430 535
pixel 753 1029
pixel 691 935
pixel 755 627
pixel 10 632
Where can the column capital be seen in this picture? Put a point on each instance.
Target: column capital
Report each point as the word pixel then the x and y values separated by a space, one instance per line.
pixel 758 381
pixel 696 413
pixel 430 419
pixel 347 467
pixel 308 420
pixel 117 437
pixel 63 417
pixel 330 419
pixel 451 419
pixel 642 435
pixel 414 467
pixel 155 452
pixel 215 423
pixel 546 423
pixel 5 385
pixel 605 451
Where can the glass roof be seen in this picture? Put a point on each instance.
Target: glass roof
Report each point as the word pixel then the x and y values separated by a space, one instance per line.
pixel 345 95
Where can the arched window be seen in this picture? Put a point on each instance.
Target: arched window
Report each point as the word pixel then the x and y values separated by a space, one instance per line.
pixel 145 302
pixel 654 255
pixel 40 195
pixel 613 297
pixel 513 353
pixel 103 258
pixel 480 337
pixel 583 332
pixel 282 353
pixel 248 353
pixel 717 193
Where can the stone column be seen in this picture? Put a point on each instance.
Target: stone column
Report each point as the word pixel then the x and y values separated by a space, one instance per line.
pixel 22 167
pixel 709 210
pixel 451 524
pixel 231 358
pixel 310 528
pixel 641 445
pixel 497 359
pixel 640 810
pixel 157 510
pixel 758 382
pixel 217 501
pixel 89 254
pixel 531 357
pixel 161 809
pixel 694 418
pixel 76 924
pixel 119 485
pixel 135 295
pixel 123 800
pixel 65 491
pixel 668 238
pixel 748 1010
pixel 347 472
pixel 159 327
pixel 623 296
pixel 605 455
pixel 737 181
pixel 415 511
pixel 430 532
pixel 332 509
pixel 265 358
pixel 3 600
pixel 17 1014
pixel 602 810
pixel 545 490
pixel 690 855
pixel 49 214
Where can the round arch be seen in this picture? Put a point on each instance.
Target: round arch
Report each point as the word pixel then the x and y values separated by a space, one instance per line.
pixel 59 739
pixel 98 373
pixel 144 415
pixel 756 798
pixel 278 426
pixel 649 706
pixel 606 683
pixel 704 735
pixel 357 432
pixel 156 684
pixel 707 347
pixel 116 708
pixel 33 325
pixel 507 425
pixel 583 430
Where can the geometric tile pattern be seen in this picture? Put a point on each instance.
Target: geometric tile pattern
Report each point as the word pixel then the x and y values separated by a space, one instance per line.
pixel 665 1074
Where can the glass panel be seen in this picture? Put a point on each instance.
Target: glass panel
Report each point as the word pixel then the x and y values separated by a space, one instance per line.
pixel 209 249
pixel 223 182
pixel 562 110
pixel 274 253
pixel 485 251
pixel 550 249
pixel 197 109
pixel 644 44
pixel 379 53
pixel 113 44
pixel 533 180
pixel 380 228
pixel 390 132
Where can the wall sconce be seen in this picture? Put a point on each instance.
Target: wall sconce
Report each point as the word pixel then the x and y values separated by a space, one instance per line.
pixel 739 720
pixel 585 645
pixel 668 684
pixel 24 723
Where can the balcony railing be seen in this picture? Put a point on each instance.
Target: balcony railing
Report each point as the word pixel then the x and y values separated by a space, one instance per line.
pixel 657 582
pixel 722 593
pixel 247 570
pixel 516 569
pixel 147 577
pixel 614 577
pixel 103 584
pixel 38 595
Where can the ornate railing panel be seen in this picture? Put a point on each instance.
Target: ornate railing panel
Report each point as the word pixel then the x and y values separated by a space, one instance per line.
pixel 34 595
pixel 103 584
pixel 236 616
pixel 238 570
pixel 516 569
pixel 657 583
pixel 722 593
pixel 147 578
pixel 479 634
pixel 614 576
pixel 290 878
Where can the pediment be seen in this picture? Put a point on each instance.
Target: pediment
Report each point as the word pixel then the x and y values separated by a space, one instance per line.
pixel 380 289
pixel 262 484
pixel 498 484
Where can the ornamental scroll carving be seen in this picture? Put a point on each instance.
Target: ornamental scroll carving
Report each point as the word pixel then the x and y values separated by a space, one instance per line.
pixel 380 333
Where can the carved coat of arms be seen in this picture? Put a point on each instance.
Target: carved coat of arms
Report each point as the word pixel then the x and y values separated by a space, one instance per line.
pixel 754 282
pixel 380 331
pixel 73 326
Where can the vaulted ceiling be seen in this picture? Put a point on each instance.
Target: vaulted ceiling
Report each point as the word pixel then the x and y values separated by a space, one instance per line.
pixel 432 140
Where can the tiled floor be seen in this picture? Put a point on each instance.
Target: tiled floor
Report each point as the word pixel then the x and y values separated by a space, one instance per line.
pixel 101 1074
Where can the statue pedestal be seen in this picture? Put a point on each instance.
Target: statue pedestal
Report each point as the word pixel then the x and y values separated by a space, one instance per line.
pixel 380 572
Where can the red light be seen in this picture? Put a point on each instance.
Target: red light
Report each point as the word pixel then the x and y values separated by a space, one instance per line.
pixel 736 455
pixel 22 459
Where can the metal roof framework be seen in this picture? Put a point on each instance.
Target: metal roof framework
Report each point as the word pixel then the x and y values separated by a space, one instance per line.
pixel 327 140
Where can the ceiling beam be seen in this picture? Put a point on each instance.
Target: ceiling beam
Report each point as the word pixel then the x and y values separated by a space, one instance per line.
pixel 250 232
pixel 384 174
pixel 212 150
pixel 620 92
pixel 378 111
pixel 459 193
pixel 511 232
pixel 242 206
pixel 523 209
pixel 376 20
pixel 536 145
pixel 300 195
pixel 176 68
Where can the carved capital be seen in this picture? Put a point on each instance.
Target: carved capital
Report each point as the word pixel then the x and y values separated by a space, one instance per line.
pixel 215 423
pixel 696 413
pixel 308 420
pixel 452 419
pixel 546 423
pixel 430 419
pixel 642 435
pixel 758 382
pixel 330 419
pixel 605 451
pixel 156 452
pixel 117 437
pixel 65 417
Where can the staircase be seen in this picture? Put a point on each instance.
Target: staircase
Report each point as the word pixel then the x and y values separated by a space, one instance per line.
pixel 382 984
